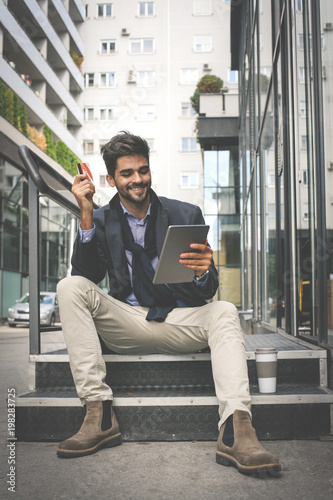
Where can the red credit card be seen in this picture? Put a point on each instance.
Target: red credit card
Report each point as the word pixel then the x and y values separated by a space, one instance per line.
pixel 83 168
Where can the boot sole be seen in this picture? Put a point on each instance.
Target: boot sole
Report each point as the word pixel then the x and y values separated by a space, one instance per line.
pixel 259 470
pixel 109 442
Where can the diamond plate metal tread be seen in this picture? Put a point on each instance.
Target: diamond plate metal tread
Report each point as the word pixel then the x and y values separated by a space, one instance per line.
pixel 285 344
pixel 175 423
pixel 172 373
pixel 62 396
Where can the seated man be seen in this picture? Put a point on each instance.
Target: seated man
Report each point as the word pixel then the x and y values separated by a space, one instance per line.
pixel 124 239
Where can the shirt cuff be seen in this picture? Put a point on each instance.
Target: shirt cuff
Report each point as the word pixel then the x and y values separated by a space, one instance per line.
pixel 201 282
pixel 86 235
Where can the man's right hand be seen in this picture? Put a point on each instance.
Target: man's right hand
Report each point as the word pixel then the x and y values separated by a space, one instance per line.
pixel 83 191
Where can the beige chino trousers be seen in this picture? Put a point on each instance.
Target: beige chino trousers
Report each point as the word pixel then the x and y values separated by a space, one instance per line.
pixel 85 310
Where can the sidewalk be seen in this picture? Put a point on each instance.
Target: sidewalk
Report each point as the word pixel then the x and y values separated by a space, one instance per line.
pixel 147 471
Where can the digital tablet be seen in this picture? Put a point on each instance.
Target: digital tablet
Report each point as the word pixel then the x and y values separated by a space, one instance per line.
pixel 178 240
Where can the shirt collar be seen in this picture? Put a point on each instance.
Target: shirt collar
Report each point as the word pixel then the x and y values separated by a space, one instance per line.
pixel 126 212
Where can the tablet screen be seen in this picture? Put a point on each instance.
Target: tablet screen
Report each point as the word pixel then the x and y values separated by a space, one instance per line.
pixel 178 240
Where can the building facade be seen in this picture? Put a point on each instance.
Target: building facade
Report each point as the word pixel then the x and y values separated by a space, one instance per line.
pixel 38 78
pixel 86 72
pixel 283 52
pixel 142 64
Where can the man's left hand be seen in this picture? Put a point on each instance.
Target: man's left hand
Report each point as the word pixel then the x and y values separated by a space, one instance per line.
pixel 199 260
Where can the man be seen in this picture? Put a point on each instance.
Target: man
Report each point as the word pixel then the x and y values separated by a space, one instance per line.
pixel 124 239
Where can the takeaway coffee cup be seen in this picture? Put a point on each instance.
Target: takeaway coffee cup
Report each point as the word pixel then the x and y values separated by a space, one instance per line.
pixel 266 363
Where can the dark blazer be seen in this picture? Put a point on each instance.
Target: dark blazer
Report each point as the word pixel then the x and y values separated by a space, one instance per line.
pixel 106 253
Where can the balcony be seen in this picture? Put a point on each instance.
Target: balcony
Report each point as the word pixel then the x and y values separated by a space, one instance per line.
pixel 51 35
pixel 53 84
pixel 218 120
pixel 39 113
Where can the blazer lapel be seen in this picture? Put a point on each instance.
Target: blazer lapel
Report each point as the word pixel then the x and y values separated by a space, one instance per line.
pixel 162 222
pixel 116 252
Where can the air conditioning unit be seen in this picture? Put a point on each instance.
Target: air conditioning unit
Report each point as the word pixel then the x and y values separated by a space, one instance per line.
pixel 328 27
pixel 124 32
pixel 131 78
pixel 330 165
pixel 207 67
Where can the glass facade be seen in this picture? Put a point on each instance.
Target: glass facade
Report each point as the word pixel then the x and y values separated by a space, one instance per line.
pixel 284 59
pixel 14 228
pixel 222 213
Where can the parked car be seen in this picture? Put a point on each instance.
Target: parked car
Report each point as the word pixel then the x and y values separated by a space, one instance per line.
pixel 18 314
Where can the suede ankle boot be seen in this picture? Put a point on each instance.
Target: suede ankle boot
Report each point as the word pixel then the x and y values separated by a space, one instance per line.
pixel 100 429
pixel 246 453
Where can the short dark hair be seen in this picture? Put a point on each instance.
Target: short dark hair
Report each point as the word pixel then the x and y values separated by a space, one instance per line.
pixel 123 144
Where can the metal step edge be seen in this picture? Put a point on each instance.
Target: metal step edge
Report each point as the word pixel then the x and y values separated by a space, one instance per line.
pixel 259 399
pixel 146 358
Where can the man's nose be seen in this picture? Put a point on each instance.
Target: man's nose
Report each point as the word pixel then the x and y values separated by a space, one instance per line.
pixel 136 177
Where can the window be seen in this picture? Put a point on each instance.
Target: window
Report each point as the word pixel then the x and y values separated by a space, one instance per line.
pixel 202 43
pixel 88 147
pixel 146 112
pixel 189 76
pixel 89 79
pixel 302 109
pixel 106 114
pixel 146 9
pixel 189 180
pixel 88 113
pixel 271 210
pixel 304 142
pixel 151 144
pixel 141 46
pixel 301 75
pixel 232 76
pixel 146 78
pixel 189 145
pixel 305 176
pixel 102 181
pixel 107 80
pixel 271 179
pixel 187 109
pixel 299 6
pixel 202 7
pixel 104 10
pixel 305 210
pixel 108 47
pixel 301 41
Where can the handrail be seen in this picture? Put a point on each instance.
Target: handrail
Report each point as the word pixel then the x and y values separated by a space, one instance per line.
pixel 32 162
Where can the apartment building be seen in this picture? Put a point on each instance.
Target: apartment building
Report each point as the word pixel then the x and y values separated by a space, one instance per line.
pixel 142 64
pixel 40 86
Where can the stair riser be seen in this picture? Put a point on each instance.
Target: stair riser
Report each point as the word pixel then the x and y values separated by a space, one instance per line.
pixel 175 423
pixel 133 375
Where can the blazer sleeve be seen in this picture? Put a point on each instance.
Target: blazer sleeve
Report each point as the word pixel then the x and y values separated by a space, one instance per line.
pixel 88 260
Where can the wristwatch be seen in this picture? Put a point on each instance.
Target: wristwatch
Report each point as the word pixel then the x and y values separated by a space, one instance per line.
pixel 202 276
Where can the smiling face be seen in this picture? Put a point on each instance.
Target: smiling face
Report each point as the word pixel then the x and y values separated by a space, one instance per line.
pixel 132 179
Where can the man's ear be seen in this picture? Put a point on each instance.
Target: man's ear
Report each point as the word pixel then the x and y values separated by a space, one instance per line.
pixel 110 180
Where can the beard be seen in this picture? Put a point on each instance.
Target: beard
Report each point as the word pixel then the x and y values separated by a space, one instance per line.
pixel 135 193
